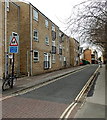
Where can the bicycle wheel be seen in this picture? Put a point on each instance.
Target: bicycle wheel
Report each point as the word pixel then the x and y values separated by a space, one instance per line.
pixel 6 85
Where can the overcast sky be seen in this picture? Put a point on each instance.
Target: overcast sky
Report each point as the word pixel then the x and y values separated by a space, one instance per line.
pixel 56 10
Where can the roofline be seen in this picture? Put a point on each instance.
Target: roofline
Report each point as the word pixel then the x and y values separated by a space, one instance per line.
pixel 43 14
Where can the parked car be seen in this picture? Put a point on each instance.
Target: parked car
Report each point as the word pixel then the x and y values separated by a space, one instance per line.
pixel 84 62
pixel 81 62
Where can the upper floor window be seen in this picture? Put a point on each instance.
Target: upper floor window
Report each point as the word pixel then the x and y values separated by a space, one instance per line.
pixel 36 56
pixel 46 23
pixel 47 40
pixel 35 15
pixel 35 36
pixel 53 27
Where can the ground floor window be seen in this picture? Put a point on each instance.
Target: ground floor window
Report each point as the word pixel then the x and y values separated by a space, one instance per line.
pixel 36 56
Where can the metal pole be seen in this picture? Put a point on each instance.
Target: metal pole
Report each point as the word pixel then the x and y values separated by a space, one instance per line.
pixel 12 72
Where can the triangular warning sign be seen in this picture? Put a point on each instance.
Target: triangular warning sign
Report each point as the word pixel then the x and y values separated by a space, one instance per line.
pixel 13 42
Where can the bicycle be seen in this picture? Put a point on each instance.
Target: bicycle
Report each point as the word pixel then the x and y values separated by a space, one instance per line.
pixel 9 82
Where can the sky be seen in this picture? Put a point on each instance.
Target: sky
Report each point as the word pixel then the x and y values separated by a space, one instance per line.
pixel 56 10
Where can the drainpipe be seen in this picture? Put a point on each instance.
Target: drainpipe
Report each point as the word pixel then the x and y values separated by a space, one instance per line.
pixel 5 40
pixel 31 47
pixel 18 29
pixel 28 63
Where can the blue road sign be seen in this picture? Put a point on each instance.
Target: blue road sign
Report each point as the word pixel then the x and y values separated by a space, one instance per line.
pixel 13 45
pixel 13 49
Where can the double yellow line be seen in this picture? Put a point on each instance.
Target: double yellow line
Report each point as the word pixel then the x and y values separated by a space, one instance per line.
pixel 65 115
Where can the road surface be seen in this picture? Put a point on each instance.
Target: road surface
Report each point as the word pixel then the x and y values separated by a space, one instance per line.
pixel 48 101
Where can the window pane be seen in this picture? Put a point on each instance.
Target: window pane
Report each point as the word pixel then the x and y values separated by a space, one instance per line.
pixel 35 35
pixel 47 41
pixel 35 54
pixel 46 23
pixel 53 27
pixel 45 56
pixel 35 15
pixel 53 43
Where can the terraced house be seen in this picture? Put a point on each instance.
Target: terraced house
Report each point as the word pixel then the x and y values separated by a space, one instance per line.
pixel 42 46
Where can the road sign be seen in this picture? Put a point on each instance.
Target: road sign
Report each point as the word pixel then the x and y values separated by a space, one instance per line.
pixel 14 42
pixel 13 45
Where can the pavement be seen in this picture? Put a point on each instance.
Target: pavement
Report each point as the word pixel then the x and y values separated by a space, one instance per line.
pixel 95 105
pixel 28 82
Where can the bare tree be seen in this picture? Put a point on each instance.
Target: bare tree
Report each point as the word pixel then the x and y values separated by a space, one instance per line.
pixel 89 21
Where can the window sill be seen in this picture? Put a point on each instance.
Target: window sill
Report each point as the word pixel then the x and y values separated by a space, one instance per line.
pixel 47 44
pixel 36 40
pixel 35 61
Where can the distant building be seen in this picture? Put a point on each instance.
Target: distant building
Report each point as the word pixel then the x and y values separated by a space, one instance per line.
pixel 74 52
pixel 91 56
pixel 87 55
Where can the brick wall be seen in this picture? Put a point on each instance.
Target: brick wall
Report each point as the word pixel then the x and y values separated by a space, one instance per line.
pixel 13 26
pixel 87 55
pixel 24 37
pixel 41 47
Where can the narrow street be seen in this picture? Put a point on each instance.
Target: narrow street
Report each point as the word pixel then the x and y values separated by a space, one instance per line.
pixel 53 59
pixel 48 101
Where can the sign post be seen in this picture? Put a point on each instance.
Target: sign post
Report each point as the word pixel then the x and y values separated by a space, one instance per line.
pixel 13 48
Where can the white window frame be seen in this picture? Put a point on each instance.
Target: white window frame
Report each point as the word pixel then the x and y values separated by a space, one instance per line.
pixel 64 58
pixel 35 14
pixel 35 37
pixel 46 55
pixel 53 43
pixel 36 59
pixel 46 23
pixel 53 27
pixel 7 5
pixel 47 40
pixel 46 59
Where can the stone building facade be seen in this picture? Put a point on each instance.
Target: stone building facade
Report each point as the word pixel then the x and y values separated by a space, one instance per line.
pixel 43 47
